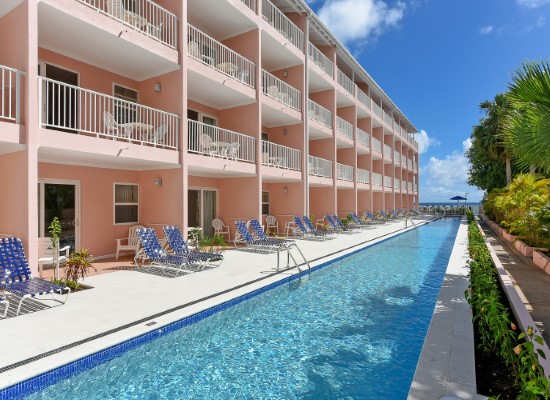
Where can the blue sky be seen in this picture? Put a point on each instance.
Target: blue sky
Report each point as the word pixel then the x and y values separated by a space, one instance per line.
pixel 437 60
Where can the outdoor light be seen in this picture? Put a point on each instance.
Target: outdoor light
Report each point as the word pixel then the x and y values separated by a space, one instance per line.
pixel 158 182
pixel 285 131
pixel 157 87
pixel 285 190
pixel 285 74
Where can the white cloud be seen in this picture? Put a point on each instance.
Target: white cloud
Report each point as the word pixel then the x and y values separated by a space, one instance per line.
pixel 360 20
pixel 533 3
pixel 466 145
pixel 424 141
pixel 485 30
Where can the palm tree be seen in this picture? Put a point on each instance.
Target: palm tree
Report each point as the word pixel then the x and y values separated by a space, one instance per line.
pixel 528 125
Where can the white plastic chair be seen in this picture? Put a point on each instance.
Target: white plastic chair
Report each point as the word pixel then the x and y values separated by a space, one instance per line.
pixel 233 150
pixel 132 241
pixel 45 253
pixel 205 145
pixel 221 229
pixel 160 133
pixel 271 222
pixel 111 126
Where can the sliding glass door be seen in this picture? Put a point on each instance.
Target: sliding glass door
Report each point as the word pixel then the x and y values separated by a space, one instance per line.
pixel 202 209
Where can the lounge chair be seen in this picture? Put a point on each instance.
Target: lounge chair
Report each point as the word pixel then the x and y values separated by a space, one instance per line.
pixel 375 219
pixel 156 255
pixel 16 276
pixel 317 232
pixel 334 226
pixel 308 233
pixel 358 221
pixel 179 247
pixel 6 305
pixel 350 226
pixel 245 237
pixel 260 234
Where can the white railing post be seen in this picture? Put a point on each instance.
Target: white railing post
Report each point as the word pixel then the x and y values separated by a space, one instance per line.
pixel 363 98
pixel 344 127
pixel 344 172
pixel 319 113
pixel 283 24
pixel 363 137
pixel 320 167
pixel 363 175
pixel 280 156
pixel 281 91
pixel 345 82
pixel 320 59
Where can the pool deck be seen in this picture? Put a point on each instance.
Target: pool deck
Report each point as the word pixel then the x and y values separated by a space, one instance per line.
pixel 123 302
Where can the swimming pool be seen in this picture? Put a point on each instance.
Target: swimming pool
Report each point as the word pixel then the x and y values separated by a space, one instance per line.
pixel 352 330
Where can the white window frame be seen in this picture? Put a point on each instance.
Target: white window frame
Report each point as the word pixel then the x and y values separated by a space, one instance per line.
pixel 125 204
pixel 268 202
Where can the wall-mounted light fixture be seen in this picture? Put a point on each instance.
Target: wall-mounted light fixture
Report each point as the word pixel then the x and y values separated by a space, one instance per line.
pixel 285 131
pixel 158 182
pixel 285 190
pixel 157 87
pixel 285 74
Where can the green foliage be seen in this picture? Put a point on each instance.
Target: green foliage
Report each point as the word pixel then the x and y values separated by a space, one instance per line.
pixel 77 266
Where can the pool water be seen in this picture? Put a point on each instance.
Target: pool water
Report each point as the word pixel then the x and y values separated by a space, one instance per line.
pixel 352 330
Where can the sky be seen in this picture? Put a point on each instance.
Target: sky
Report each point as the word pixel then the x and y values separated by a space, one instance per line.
pixel 438 60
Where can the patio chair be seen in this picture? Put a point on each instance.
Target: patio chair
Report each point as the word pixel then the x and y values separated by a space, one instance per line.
pixel 46 255
pixel 233 150
pixel 350 226
pixel 259 245
pixel 304 232
pixel 205 145
pixel 221 229
pixel 16 276
pixel 271 223
pixel 6 305
pixel 315 231
pixel 358 221
pixel 111 126
pixel 159 135
pixel 273 91
pixel 179 247
pixel 132 241
pixel 117 10
pixel 156 255
pixel 260 234
pixel 335 226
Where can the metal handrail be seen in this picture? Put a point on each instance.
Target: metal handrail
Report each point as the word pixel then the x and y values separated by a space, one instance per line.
pixel 281 91
pixel 320 59
pixel 377 145
pixel 364 98
pixel 363 175
pixel 277 19
pixel 363 137
pixel 345 82
pixel 280 156
pixel 377 179
pixel 387 151
pixel 387 181
pixel 377 110
pixel 320 167
pixel 319 113
pixel 250 4
pixel 344 127
pixel 10 81
pixel 344 172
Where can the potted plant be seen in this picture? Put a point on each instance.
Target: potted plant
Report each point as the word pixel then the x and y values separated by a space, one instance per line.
pixel 77 267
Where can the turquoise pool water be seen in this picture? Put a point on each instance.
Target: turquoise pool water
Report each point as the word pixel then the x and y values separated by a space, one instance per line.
pixel 353 330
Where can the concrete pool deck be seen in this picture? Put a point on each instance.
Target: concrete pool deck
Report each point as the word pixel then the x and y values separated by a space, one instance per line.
pixel 106 315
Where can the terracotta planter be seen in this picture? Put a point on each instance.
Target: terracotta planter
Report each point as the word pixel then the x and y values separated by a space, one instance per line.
pixel 541 260
pixel 525 249
pixel 507 236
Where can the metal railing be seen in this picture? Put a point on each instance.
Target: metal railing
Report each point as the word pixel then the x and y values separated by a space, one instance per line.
pixel 250 4
pixel 403 161
pixel 376 179
pixel 363 98
pixel 377 145
pixel 415 187
pixel 344 127
pixel 345 82
pixel 410 186
pixel 11 94
pixel 363 137
pixel 363 175
pixel 82 111
pixel 211 52
pixel 319 113
pixel 280 156
pixel 387 119
pixel 377 110
pixel 277 19
pixel 320 167
pixel 144 16
pixel 403 186
pixel 217 142
pixel 281 91
pixel 387 181
pixel 344 172
pixel 396 157
pixel 396 128
pixel 387 151
pixel 396 183
pixel 415 166
pixel 319 59
pixel 409 164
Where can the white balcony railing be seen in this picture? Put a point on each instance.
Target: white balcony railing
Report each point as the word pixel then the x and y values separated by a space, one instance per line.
pixel 396 128
pixel 363 175
pixel 403 186
pixel 344 127
pixel 409 164
pixel 281 91
pixel 345 82
pixel 377 145
pixel 11 94
pixel 387 119
pixel 387 181
pixel 415 167
pixel 376 179
pixel 277 19
pixel 415 187
pixel 344 172
pixel 396 157
pixel 319 113
pixel 387 151
pixel 396 183
pixel 250 4
pixel 363 98
pixel 319 59
pixel 81 111
pixel 363 137
pixel 217 142
pixel 144 16
pixel 410 186
pixel 280 156
pixel 211 52
pixel 320 167
pixel 377 110
pixel 403 161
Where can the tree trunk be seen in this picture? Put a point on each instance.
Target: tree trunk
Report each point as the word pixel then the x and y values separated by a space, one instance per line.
pixel 508 171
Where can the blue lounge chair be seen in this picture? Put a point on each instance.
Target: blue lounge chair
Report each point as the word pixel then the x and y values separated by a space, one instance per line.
pixel 358 221
pixel 16 276
pixel 178 245
pixel 309 232
pixel 375 219
pixel 350 226
pixel 260 234
pixel 6 305
pixel 156 254
pixel 335 226
pixel 260 245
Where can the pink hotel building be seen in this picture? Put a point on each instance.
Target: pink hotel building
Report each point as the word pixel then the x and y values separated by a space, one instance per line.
pixel 115 112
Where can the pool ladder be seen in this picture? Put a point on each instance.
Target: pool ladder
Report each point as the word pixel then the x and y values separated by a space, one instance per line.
pixel 412 222
pixel 289 256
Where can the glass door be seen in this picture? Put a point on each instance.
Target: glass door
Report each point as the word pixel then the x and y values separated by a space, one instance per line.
pixel 202 209
pixel 59 199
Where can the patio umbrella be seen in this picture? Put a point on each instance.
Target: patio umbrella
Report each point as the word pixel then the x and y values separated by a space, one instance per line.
pixel 458 198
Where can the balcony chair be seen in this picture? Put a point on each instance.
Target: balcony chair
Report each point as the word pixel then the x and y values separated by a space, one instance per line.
pixel 179 247
pixel 221 229
pixel 159 135
pixel 273 91
pixel 46 255
pixel 117 10
pixel 111 126
pixel 16 276
pixel 205 145
pixel 271 223
pixel 233 150
pixel 132 241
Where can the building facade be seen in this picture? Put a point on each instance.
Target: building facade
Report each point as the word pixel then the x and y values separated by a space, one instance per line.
pixel 117 112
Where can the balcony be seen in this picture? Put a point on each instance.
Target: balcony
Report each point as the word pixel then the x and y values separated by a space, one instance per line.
pixel 409 164
pixel 364 109
pixel 388 183
pixel 10 111
pixel 409 186
pixel 345 133
pixel 286 104
pixel 363 139
pixel 322 66
pixel 377 122
pixel 403 186
pixel 376 149
pixel 320 118
pixel 415 187
pixel 344 175
pixel 397 184
pixel 75 118
pixel 363 178
pixel 320 171
pixel 284 163
pixel 282 40
pixel 229 153
pixel 376 181
pixel 403 162
pixel 387 154
pixel 218 76
pixel 347 97
pixel 396 158
pixel 138 42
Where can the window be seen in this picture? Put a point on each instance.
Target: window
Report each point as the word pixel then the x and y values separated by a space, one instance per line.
pixel 126 203
pixel 265 203
pixel 125 111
